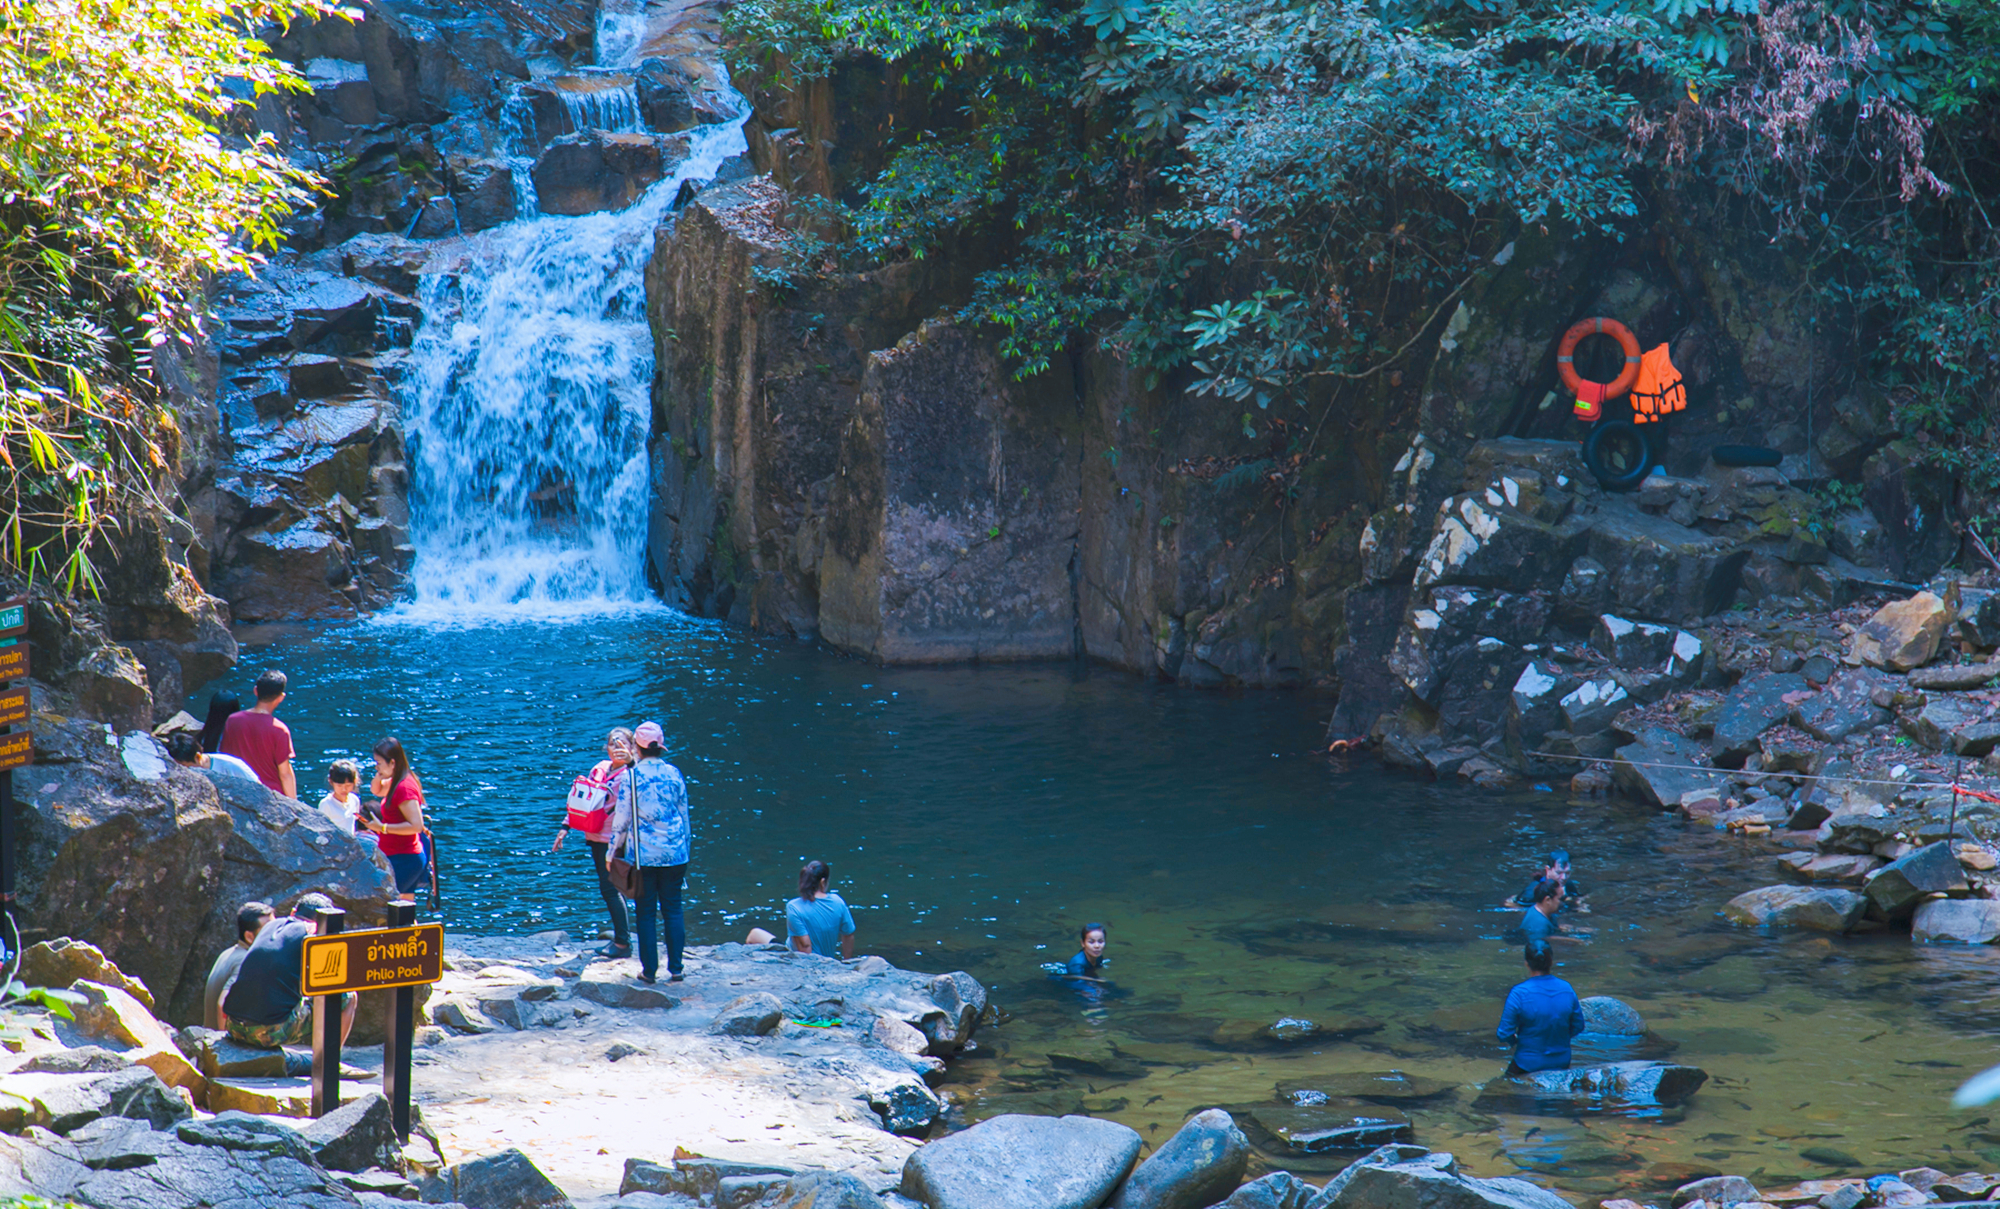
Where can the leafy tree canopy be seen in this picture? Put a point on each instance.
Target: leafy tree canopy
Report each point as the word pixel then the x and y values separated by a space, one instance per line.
pixel 1267 197
pixel 129 174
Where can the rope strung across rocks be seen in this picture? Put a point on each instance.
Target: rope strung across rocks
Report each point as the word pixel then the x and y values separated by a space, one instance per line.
pixel 1795 776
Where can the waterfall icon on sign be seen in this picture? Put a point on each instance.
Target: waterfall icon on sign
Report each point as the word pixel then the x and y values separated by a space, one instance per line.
pixel 329 966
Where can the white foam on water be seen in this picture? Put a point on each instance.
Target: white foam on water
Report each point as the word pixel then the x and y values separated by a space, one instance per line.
pixel 621 29
pixel 527 408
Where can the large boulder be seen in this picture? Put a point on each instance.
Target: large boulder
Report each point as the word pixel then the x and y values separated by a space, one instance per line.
pixel 1410 1177
pixel 1612 1017
pixel 148 862
pixel 1755 706
pixel 504 1180
pixel 1718 1190
pixel 358 1135
pixel 1195 1168
pixel 595 170
pixel 1844 706
pixel 1278 1190
pixel 1963 921
pixel 1023 1162
pixel 696 1179
pixel 60 1103
pixel 806 1190
pixel 1614 1087
pixel 63 960
pixel 1902 635
pixel 1958 725
pixel 1820 909
pixel 963 1001
pixel 751 1015
pixel 1900 885
pixel 114 1019
pixel 1659 766
pixel 293 574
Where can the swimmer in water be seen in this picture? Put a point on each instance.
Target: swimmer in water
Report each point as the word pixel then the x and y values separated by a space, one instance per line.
pixel 1555 868
pixel 1089 960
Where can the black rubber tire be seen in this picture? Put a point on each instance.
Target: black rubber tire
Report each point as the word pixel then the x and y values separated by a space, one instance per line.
pixel 1598 457
pixel 1745 455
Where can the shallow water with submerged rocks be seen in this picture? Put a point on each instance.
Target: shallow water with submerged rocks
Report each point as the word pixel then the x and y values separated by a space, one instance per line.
pixel 975 816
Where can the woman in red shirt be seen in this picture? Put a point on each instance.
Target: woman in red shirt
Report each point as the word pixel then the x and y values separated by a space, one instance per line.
pixel 401 826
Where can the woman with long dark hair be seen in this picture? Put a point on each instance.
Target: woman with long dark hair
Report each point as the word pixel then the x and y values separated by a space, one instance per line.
pixel 617 758
pixel 401 825
pixel 220 706
pixel 650 828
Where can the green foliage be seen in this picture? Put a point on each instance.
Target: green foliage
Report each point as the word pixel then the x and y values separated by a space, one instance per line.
pixel 32 1201
pixel 1264 200
pixel 128 177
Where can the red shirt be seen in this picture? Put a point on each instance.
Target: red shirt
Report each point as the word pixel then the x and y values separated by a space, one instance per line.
pixel 392 812
pixel 261 741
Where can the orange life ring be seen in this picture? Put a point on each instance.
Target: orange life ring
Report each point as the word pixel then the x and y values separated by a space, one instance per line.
pixel 1598 393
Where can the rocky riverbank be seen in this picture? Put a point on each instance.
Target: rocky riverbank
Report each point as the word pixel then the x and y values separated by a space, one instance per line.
pixel 768 1080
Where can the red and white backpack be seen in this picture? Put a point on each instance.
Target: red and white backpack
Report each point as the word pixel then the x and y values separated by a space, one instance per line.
pixel 590 801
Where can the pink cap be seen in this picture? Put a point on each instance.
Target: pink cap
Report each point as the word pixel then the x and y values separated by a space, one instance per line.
pixel 649 734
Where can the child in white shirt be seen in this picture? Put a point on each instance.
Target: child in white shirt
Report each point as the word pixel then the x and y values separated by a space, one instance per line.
pixel 342 803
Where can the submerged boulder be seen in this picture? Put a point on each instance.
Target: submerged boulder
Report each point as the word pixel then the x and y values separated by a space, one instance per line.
pixel 1612 1017
pixel 1316 1126
pixel 1616 1087
pixel 1966 921
pixel 1820 909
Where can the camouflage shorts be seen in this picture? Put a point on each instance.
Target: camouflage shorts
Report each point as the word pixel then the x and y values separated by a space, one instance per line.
pixel 295 1029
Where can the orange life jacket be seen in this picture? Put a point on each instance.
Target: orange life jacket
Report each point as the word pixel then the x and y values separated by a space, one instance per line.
pixel 1659 391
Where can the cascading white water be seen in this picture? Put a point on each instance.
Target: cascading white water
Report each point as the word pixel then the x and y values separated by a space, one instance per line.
pixel 613 106
pixel 621 29
pixel 527 410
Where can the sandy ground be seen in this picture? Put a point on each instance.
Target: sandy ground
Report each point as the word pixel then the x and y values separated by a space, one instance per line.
pixel 796 1098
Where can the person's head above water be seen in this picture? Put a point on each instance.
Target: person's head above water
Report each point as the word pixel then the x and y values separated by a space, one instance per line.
pixel 1548 895
pixel 1538 956
pixel 1556 866
pixel 1093 938
pixel 813 877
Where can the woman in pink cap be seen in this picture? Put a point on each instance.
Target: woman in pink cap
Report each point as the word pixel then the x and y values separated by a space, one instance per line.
pixel 650 828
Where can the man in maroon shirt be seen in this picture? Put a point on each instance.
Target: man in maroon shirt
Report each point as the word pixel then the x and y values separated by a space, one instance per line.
pixel 256 737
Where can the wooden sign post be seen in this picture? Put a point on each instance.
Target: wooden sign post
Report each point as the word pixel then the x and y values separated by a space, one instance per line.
pixel 16 747
pixel 398 958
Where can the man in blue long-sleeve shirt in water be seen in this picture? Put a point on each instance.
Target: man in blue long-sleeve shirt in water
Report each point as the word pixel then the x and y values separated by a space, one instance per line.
pixel 1541 1015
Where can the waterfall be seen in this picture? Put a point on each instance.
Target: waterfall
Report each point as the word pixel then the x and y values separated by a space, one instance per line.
pixel 621 29
pixel 613 106
pixel 527 407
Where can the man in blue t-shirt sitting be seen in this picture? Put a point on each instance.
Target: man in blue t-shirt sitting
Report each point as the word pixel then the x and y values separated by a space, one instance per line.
pixel 1538 922
pixel 1541 1015
pixel 818 921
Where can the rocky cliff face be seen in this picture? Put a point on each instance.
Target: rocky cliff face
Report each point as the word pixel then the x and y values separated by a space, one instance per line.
pixel 837 461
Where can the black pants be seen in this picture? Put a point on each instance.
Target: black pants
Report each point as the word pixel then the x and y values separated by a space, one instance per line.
pixel 614 902
pixel 1514 1070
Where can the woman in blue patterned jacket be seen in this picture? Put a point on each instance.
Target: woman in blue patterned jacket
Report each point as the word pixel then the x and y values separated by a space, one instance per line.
pixel 653 832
